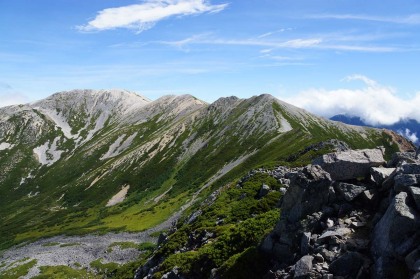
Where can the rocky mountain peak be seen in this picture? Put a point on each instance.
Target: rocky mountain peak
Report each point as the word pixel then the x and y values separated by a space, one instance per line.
pixel 224 103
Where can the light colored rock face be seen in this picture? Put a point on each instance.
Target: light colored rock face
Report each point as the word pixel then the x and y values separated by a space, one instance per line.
pixel 119 197
pixel 48 153
pixel 120 145
pixel 5 146
pixel 350 164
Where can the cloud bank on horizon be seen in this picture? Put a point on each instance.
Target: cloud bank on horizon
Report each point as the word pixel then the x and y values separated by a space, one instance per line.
pixel 141 17
pixel 374 103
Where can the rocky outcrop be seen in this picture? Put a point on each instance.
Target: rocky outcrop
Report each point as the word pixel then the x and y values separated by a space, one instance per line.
pixel 311 188
pixel 399 157
pixel 351 164
pixel 359 226
pixel 380 174
pixel 331 227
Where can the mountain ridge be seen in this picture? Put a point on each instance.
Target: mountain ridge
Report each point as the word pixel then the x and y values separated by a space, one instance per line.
pixel 160 157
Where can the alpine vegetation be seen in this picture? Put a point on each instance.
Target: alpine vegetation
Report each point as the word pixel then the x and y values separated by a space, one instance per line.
pixel 109 184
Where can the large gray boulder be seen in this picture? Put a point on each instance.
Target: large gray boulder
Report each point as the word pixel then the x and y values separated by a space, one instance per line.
pixel 349 191
pixel 350 164
pixel 403 157
pixel 399 223
pixel 380 174
pixel 264 190
pixel 415 194
pixel 309 192
pixel 406 175
pixel 410 168
pixel 303 267
pixel 347 264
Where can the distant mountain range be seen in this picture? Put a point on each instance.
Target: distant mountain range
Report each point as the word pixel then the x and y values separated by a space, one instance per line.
pixel 409 128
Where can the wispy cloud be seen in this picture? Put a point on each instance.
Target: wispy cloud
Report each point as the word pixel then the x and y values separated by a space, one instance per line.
pixel 141 17
pixel 203 39
pixel 374 103
pixel 268 34
pixel 413 19
pixel 280 57
pixel 270 44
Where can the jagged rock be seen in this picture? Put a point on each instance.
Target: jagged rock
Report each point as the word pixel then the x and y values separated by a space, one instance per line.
pixel 348 264
pixel 305 243
pixel 350 164
pixel 327 276
pixel 400 157
pixel 410 168
pixel 413 260
pixel 401 181
pixel 415 194
pixel 358 224
pixel 398 224
pixel 309 193
pixel 284 181
pixel 329 223
pixel 328 255
pixel 349 191
pixel 380 174
pixel 303 267
pixel 337 232
pixel 265 189
pixel 370 198
pixel 319 258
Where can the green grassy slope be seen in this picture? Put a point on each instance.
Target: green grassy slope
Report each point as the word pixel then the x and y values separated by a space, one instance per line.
pixel 170 158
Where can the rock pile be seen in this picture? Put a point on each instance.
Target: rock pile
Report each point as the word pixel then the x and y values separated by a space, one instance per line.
pixel 349 216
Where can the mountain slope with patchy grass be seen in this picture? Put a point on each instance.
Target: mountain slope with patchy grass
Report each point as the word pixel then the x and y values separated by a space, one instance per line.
pixel 88 161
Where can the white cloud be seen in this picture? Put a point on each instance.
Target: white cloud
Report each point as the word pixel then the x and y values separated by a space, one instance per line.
pixel 413 19
pixel 144 16
pixel 268 34
pixel 408 134
pixel 374 103
pixel 269 45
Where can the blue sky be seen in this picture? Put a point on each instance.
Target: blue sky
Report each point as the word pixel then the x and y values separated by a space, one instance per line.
pixel 295 50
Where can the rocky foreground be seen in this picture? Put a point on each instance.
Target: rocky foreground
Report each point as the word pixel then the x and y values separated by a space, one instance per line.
pixel 350 214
